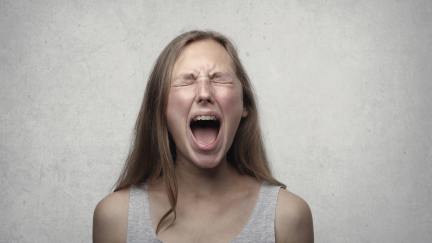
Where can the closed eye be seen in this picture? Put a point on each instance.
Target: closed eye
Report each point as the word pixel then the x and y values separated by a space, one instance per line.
pixel 222 78
pixel 184 80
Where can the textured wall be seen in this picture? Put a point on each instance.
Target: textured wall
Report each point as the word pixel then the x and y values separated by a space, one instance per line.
pixel 344 90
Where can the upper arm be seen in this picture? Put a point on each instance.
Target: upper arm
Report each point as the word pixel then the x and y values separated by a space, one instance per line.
pixel 293 219
pixel 110 218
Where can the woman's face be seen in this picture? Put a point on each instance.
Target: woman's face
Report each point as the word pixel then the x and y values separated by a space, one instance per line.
pixel 205 104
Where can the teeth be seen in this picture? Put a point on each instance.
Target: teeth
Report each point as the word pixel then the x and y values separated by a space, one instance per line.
pixel 205 118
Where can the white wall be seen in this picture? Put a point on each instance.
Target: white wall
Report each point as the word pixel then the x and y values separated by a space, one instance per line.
pixel 344 90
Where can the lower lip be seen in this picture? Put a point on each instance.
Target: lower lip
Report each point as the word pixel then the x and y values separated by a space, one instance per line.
pixel 206 147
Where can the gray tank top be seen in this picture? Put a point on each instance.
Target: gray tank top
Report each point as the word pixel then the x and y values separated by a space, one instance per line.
pixel 259 228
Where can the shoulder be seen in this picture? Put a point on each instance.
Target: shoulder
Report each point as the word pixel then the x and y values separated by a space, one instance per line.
pixel 293 219
pixel 110 218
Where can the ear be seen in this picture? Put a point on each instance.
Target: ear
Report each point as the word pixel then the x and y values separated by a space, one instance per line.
pixel 245 113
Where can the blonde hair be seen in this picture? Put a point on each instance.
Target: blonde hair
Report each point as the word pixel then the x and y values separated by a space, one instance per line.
pixel 152 155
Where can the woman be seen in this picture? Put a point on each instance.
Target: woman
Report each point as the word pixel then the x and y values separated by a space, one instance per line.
pixel 197 171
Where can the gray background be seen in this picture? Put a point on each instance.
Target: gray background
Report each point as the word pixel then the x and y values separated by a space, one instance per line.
pixel 344 90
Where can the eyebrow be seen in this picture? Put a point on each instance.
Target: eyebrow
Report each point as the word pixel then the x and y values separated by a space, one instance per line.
pixel 185 75
pixel 226 73
pixel 192 74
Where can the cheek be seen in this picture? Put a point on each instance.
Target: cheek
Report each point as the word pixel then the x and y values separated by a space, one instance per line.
pixel 177 107
pixel 231 101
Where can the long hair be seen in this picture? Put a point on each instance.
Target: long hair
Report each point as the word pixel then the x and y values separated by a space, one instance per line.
pixel 152 155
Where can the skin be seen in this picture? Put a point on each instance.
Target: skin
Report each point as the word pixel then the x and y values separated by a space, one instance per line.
pixel 204 82
pixel 211 192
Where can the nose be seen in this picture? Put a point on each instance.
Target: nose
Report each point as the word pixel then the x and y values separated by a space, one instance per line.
pixel 204 91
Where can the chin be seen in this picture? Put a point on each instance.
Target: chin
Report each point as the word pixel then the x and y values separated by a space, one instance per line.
pixel 207 162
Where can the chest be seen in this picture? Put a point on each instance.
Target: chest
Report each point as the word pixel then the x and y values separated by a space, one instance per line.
pixel 206 221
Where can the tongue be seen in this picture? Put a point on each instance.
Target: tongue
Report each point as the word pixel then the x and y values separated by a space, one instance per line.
pixel 205 135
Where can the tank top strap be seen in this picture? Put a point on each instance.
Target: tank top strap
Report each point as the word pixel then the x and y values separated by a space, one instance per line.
pixel 139 222
pixel 261 227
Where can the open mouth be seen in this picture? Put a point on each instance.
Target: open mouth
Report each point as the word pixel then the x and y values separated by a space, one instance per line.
pixel 205 129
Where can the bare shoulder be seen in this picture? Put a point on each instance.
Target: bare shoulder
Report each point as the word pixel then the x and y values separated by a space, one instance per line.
pixel 110 218
pixel 293 219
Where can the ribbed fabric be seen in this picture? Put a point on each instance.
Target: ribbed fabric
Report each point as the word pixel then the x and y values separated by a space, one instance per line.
pixel 259 228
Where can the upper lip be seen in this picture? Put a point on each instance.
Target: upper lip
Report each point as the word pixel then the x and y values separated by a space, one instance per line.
pixel 205 113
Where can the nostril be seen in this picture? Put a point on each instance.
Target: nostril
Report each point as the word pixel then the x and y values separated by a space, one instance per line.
pixel 205 99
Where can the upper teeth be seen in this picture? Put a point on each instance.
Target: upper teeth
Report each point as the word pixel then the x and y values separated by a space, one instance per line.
pixel 204 118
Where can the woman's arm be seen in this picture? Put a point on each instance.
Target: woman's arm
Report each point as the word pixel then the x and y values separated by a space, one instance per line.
pixel 110 218
pixel 293 219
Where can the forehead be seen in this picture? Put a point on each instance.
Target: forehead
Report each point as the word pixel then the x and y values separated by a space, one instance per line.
pixel 203 55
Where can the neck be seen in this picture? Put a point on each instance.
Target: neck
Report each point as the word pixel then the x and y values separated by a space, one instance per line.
pixel 200 182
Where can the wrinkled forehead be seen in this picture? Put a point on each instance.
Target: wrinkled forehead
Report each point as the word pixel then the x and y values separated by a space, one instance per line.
pixel 202 58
